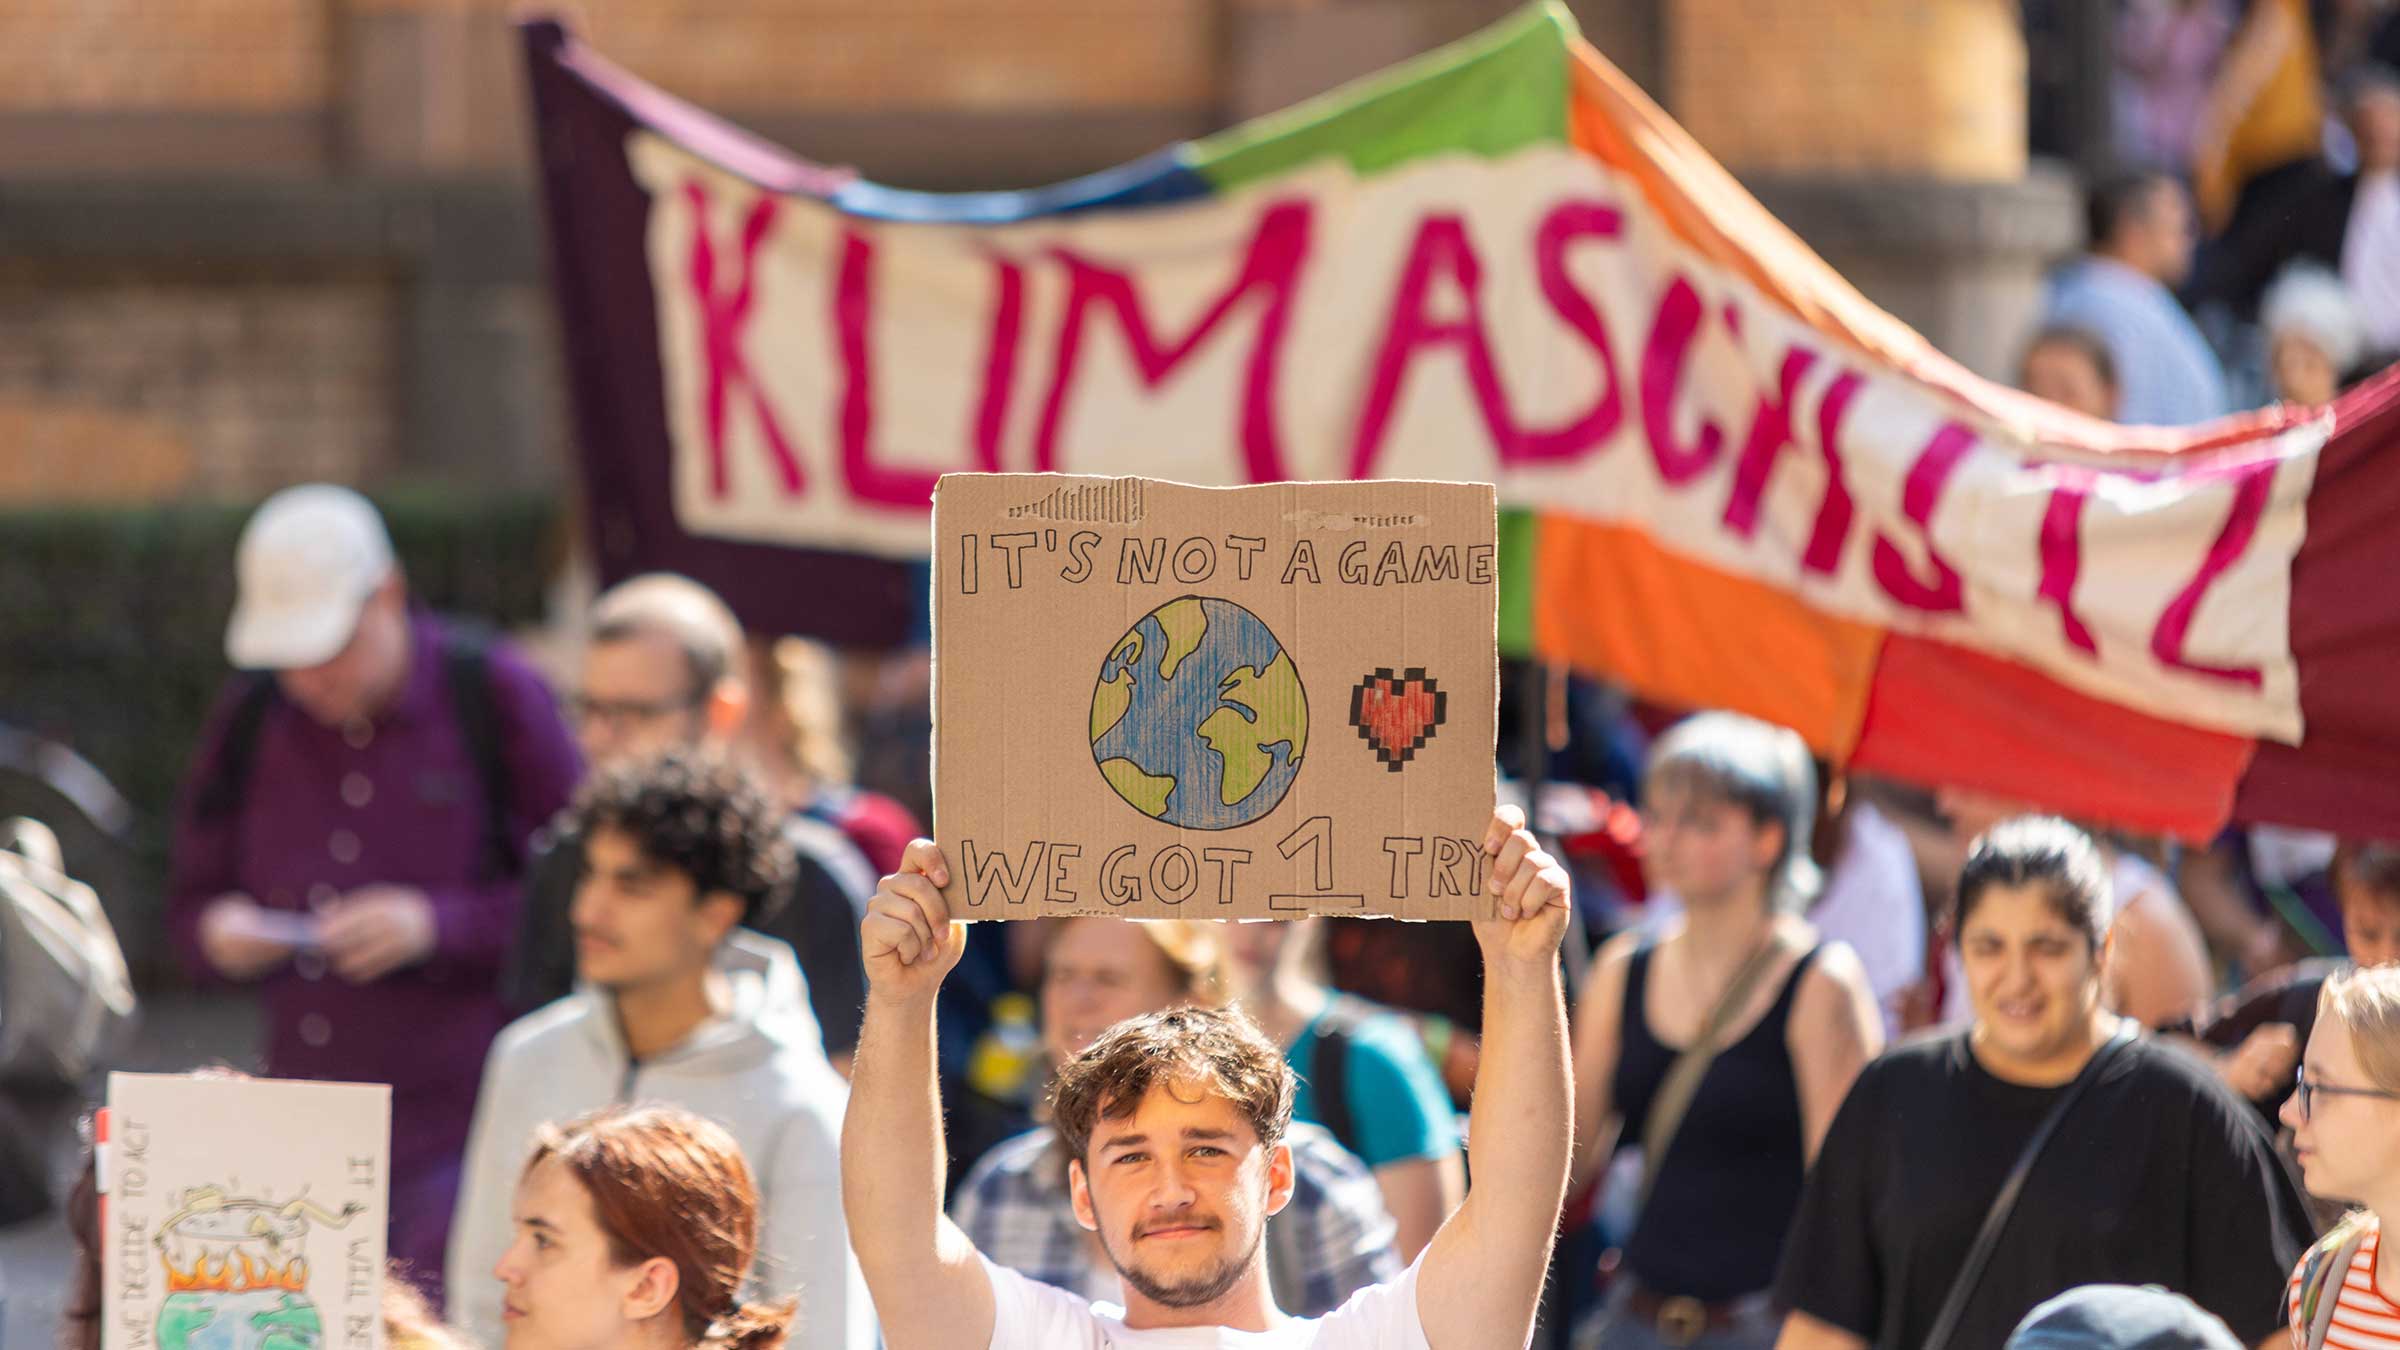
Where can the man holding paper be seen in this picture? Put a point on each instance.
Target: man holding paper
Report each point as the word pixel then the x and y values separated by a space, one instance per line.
pixel 1174 1123
pixel 351 837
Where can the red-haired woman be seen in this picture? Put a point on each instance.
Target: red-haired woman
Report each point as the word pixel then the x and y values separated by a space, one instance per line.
pixel 634 1229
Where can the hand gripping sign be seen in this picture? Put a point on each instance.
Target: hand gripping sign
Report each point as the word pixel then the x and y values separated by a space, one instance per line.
pixel 1154 700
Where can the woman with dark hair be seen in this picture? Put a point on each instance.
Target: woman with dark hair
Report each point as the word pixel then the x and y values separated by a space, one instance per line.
pixel 2134 1164
pixel 634 1227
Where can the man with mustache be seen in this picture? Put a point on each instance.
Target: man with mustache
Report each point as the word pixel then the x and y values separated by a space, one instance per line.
pixel 1333 1239
pixel 664 670
pixel 677 1002
pixel 1173 1124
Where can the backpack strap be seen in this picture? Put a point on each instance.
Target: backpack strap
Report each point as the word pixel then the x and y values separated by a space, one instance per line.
pixel 1995 1219
pixel 2321 1276
pixel 1331 1069
pixel 467 669
pixel 1690 1067
pixel 222 795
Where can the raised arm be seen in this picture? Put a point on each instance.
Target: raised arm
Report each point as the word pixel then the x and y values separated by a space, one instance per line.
pixel 926 1279
pixel 2159 972
pixel 1835 1029
pixel 1481 1280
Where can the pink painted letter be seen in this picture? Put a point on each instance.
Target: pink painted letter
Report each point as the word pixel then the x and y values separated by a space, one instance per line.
pixel 721 319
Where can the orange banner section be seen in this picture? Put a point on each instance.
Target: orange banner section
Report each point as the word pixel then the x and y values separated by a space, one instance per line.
pixel 1613 121
pixel 1612 602
pixel 1944 714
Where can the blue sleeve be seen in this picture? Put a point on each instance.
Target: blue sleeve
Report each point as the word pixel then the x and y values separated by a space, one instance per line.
pixel 1396 1098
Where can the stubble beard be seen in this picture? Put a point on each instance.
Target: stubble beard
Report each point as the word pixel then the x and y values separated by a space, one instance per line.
pixel 1190 1293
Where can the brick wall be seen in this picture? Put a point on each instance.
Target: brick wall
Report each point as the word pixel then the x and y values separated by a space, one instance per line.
pixel 1885 87
pixel 119 384
pixel 436 83
pixel 969 54
pixel 120 55
pixel 148 340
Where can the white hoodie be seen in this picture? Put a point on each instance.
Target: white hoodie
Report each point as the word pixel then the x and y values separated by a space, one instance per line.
pixel 759 1071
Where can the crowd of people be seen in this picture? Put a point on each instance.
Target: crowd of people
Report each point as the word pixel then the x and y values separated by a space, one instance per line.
pixel 1843 1064
pixel 2247 249
pixel 685 1049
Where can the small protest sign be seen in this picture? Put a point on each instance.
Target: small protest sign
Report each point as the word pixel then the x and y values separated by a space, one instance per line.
pixel 1154 700
pixel 243 1214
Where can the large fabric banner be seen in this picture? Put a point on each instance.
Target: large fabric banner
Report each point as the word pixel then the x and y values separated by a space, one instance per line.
pixel 1730 480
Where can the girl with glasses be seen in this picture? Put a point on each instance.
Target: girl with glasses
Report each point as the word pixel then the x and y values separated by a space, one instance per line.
pixel 2345 1119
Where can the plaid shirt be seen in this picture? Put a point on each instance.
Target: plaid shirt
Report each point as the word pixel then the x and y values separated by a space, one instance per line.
pixel 1334 1239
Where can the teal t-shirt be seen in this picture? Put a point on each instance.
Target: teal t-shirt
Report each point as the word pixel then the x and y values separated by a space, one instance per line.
pixel 1398 1106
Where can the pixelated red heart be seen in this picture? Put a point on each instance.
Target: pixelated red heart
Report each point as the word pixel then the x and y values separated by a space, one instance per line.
pixel 1397 714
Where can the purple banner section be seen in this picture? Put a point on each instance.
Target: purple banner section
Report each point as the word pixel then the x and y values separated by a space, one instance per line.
pixel 597 216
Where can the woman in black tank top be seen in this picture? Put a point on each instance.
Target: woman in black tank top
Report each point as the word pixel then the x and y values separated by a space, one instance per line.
pixel 1728 804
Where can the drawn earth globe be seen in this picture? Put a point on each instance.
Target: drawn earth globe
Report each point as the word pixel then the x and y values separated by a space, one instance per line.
pixel 248 1319
pixel 1198 717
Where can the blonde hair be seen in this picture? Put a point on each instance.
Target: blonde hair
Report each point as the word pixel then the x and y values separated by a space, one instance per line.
pixel 684 612
pixel 2366 1004
pixel 801 704
pixel 409 1322
pixel 1195 954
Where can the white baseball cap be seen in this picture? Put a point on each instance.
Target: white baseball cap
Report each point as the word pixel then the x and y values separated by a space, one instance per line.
pixel 307 562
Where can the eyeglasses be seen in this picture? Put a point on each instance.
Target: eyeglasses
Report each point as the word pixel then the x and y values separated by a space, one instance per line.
pixel 2308 1091
pixel 623 712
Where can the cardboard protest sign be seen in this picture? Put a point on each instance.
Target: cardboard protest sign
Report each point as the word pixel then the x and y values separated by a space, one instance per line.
pixel 243 1214
pixel 1161 701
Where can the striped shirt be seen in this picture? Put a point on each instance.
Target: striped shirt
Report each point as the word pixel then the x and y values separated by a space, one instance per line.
pixel 2362 1316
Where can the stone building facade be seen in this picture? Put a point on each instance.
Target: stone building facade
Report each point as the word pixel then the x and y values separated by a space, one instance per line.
pixel 249 241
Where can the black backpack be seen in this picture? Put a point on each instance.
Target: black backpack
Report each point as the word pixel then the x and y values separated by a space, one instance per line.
pixel 466 669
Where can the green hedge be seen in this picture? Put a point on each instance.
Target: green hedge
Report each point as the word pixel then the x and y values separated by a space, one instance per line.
pixel 112 623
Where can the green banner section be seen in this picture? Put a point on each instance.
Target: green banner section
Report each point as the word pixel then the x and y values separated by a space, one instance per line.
pixel 1487 94
pixel 1520 532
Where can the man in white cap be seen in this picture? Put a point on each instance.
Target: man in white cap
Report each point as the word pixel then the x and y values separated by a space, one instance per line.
pixel 352 832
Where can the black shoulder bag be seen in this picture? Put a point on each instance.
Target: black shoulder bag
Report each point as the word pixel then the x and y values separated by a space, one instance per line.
pixel 1970 1274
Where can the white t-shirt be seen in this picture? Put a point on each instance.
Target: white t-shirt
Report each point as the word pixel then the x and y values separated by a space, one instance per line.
pixel 1030 1315
pixel 1874 901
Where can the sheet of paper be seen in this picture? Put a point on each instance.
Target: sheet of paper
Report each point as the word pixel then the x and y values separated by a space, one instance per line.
pixel 243 1214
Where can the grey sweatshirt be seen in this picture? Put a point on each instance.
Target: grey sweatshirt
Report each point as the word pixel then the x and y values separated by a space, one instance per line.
pixel 759 1070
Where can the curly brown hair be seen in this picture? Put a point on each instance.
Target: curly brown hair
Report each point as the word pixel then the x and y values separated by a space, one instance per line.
pixel 1220 1049
pixel 700 816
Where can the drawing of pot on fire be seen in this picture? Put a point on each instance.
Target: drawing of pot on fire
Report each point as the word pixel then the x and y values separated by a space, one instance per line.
pixel 237 1272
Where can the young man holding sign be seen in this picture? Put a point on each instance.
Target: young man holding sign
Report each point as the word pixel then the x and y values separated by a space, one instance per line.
pixel 1175 1122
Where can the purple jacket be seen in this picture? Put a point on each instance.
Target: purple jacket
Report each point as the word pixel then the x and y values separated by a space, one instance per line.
pixel 399 801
